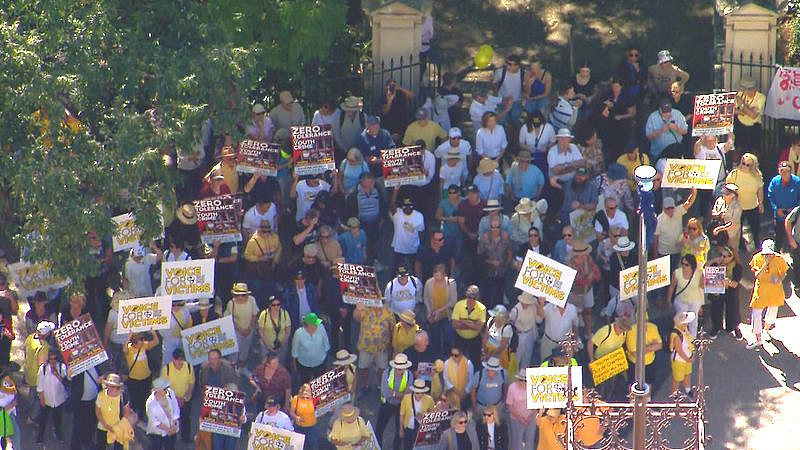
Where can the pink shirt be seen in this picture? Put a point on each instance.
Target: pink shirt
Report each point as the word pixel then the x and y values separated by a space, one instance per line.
pixel 517 402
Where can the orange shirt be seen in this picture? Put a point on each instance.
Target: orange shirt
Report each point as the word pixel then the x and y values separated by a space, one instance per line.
pixel 305 409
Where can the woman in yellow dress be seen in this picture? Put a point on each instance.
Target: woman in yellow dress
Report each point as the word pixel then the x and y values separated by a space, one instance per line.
pixel 770 269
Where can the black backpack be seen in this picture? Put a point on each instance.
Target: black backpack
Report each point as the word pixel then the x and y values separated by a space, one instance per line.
pixel 514 342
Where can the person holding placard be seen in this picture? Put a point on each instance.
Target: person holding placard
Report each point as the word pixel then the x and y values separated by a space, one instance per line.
pixel 582 293
pixel 552 424
pixel 558 321
pixel 412 407
pixel 727 304
pixel 181 320
pixel 272 415
pixel 139 375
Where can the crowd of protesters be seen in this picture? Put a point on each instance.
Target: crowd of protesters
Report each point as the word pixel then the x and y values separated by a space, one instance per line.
pixel 538 150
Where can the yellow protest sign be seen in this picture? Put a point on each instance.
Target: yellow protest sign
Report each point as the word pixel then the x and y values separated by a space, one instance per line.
pixel 689 173
pixel 606 367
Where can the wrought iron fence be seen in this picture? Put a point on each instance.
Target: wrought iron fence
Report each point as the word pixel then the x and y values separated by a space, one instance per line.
pixel 614 420
pixel 776 132
pixel 419 75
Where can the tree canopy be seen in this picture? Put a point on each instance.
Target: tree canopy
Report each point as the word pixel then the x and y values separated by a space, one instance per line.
pixel 93 93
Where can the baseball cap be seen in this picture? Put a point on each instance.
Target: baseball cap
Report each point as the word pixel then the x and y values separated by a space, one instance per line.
pixel 668 202
pixel 421 114
pixel 454 132
pixel 373 120
pixel 665 106
pixel 472 188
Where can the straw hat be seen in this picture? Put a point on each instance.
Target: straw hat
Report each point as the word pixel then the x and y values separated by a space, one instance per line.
pixel 112 380
pixel 564 133
pixel 524 206
pixel 492 363
pixel 492 205
pixel 344 358
pixel 349 411
pixel 240 289
pixel 353 222
pixel 352 103
pixel 453 153
pixel 624 244
pixel 186 214
pixel 44 328
pixel 7 386
pixel 204 303
pixel 580 248
pixel 685 317
pixel 408 316
pixel 419 386
pixel 487 165
pixel 226 151
pixel 400 361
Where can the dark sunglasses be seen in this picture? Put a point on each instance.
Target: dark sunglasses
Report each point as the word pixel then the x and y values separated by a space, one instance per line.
pixel 488 414
pixel 462 422
pixel 275 304
pixel 566 235
pixel 455 355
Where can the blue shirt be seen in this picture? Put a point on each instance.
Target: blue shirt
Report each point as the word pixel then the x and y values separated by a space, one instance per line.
pixel 525 183
pixel 371 146
pixel 655 122
pixel 490 187
pixel 353 246
pixel 310 351
pixel 450 229
pixel 783 196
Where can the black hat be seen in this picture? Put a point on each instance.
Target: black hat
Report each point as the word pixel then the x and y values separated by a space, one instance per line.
pixel 402 271
pixel 665 105
pixel 271 401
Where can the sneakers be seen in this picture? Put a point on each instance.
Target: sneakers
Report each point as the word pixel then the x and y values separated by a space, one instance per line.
pixel 737 334
pixel 753 345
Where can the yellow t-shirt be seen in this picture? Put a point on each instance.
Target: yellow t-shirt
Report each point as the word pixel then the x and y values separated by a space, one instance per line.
pixel 650 336
pixel 267 330
pixel 548 434
pixel 36 354
pixel 138 367
pixel 460 313
pixel 749 184
pixel 428 133
pixel 230 174
pixel 348 433
pixel 403 337
pixel 243 313
pixel 305 409
pixel 260 245
pixel 180 379
pixel 109 408
pixel 624 161
pixel 606 342
pixel 758 101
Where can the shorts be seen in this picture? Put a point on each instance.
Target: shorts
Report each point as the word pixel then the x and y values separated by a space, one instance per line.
pixel 681 370
pixel 368 359
pixel 582 301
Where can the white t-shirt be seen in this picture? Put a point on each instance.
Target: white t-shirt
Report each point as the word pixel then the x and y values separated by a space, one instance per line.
pixel 512 84
pixel 668 230
pixel 464 148
pixel 452 175
pixel 306 195
pixel 497 334
pixel 252 219
pixel 138 275
pixel 555 158
pixel 476 110
pixel 280 420
pixel 716 152
pixel 406 231
pixel 556 326
pixel 540 140
pixel 490 143
pixel 619 220
pixel 429 162
pixel 400 297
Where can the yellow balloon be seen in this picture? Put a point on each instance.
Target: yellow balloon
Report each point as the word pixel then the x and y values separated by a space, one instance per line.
pixel 486 49
pixel 483 60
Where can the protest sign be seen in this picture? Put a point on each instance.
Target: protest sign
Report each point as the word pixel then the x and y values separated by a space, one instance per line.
pixel 127 234
pixel 219 219
pixel 431 427
pixel 268 437
pixel 221 411
pixel 218 334
pixel 783 99
pixel 714 279
pixel 713 114
pixel 330 390
pixel 582 222
pixel 187 280
pixel 424 371
pixel 609 365
pixel 313 149
pixel 80 345
pixel 402 165
pixel 142 314
pixel 371 443
pixel 658 276
pixel 542 277
pixel 258 158
pixel 358 284
pixel 547 386
pixel 32 277
pixel 689 173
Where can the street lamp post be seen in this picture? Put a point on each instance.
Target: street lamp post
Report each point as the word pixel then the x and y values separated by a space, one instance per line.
pixel 640 391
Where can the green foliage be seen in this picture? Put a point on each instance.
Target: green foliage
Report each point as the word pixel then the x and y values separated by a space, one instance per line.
pixel 140 77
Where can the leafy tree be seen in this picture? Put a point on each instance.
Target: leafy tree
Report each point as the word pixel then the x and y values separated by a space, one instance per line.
pixel 93 93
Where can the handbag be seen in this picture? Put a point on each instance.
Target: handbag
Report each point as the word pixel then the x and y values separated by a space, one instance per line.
pixel 676 294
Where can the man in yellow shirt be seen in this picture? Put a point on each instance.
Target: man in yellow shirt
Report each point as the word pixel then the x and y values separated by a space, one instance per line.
pixel 227 165
pixel 468 318
pixel 404 331
pixel 182 378
pixel 653 344
pixel 749 107
pixel 412 408
pixel 630 160
pixel 423 129
pixel 604 341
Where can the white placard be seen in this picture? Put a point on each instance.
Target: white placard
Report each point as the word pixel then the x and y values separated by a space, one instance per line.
pixel 543 277
pixel 188 280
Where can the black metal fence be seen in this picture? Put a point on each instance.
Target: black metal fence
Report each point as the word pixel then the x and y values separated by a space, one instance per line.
pixel 731 70
pixel 419 75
